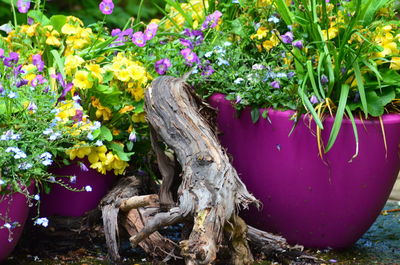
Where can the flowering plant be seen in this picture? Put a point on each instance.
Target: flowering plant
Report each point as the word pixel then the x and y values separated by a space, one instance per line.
pixel 319 57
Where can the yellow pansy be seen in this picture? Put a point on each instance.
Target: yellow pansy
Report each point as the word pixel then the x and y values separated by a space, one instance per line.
pixel 72 62
pixel 81 80
pixel 123 75
pixel 330 34
pixel 30 72
pixel 126 109
pixel 96 71
pixel 30 30
pixel 136 91
pixel 395 63
pixel 52 36
pixel 137 72
pixel 97 153
pixel 139 117
pixel 102 111
pixel 78 151
pixel 261 33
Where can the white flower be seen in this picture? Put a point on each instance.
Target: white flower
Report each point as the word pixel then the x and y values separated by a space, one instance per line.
pixel 222 62
pixel 52 179
pixel 88 188
pixel 238 80
pixel 7 28
pixel 46 155
pixel 47 162
pixel 273 19
pixel 54 136
pixel 96 125
pixel 208 54
pixel 281 75
pixel 42 221
pixel 258 67
pixel 37 197
pixel 12 95
pixel 76 98
pixel 7 225
pixel 48 131
pixel 98 143
pixel 227 43
pixel 1 182
pixel 90 136
pixel 72 179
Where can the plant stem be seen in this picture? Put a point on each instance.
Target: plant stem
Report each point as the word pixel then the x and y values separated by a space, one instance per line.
pixel 14 14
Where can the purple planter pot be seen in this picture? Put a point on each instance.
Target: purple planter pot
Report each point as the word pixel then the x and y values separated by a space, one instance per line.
pixel 63 202
pixel 14 208
pixel 314 202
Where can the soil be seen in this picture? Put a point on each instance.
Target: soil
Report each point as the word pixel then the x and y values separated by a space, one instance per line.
pixel 80 241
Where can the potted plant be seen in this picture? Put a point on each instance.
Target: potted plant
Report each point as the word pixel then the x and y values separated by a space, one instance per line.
pixel 31 138
pixel 96 83
pixel 316 87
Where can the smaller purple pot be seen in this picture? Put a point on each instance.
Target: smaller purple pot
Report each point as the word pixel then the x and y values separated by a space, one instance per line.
pixel 14 208
pixel 63 202
pixel 315 202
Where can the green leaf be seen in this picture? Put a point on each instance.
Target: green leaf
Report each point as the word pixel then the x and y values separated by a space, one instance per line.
pixel 255 114
pixel 284 11
pixel 344 92
pixel 264 114
pixel 307 103
pixel 119 151
pixel 355 131
pixel 360 85
pixel 237 28
pixel 59 62
pixel 96 133
pixel 370 9
pixel 38 16
pixel 105 133
pixel 312 80
pixel 129 146
pixel 58 21
pixel 377 102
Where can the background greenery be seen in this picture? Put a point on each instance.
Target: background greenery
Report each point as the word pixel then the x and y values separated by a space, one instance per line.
pixel 88 10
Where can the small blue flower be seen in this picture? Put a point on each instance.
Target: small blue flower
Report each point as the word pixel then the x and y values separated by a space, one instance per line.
pixel 72 179
pixel 90 136
pixel 12 95
pixel 274 19
pixel 1 182
pixel 208 54
pixel 48 131
pixel 222 62
pixel 46 155
pixel 88 188
pixel 54 136
pixel 132 137
pixel 235 2
pixel 238 80
pixel 37 197
pixel 98 143
pixel 96 125
pixel 83 167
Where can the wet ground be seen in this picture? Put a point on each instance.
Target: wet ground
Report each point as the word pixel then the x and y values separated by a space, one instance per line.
pixel 80 242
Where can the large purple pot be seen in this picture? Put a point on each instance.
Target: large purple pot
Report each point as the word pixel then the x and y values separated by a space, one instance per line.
pixel 13 208
pixel 315 202
pixel 63 202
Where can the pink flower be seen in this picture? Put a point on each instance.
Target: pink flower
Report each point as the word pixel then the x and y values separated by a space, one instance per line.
pixel 139 39
pixel 23 6
pixel 190 56
pixel 106 7
pixel 150 31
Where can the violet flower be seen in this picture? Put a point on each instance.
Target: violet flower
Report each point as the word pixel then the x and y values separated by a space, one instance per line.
pixel 324 79
pixel 106 7
pixel 30 21
pixel 150 31
pixel 211 20
pixel 207 70
pixel 298 44
pixel 139 39
pixel 314 99
pixel 275 84
pixel 38 80
pixel 132 137
pixel 287 38
pixel 21 83
pixel 186 43
pixel 190 56
pixel 11 60
pixel 23 5
pixel 162 66
pixel 1 53
pixel 38 62
pixel 32 106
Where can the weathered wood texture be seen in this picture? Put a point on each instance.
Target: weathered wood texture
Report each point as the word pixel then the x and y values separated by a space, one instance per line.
pixel 210 191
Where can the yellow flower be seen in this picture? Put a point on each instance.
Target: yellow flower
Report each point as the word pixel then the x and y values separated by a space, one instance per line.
pixel 96 71
pixel 30 72
pixel 123 75
pixel 136 91
pixel 115 131
pixel 100 167
pixel 261 33
pixel 332 33
pixel 72 27
pixel 81 80
pixel 97 154
pixel 139 117
pixel 101 111
pixel 72 62
pixel 30 30
pixel 52 35
pixel 395 63
pixel 78 151
pixel 67 109
pixel 126 109
pixel 137 72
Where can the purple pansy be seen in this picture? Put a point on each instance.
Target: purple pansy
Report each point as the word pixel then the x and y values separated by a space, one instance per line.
pixel 66 86
pixel 275 84
pixel 287 37
pixel 298 44
pixel 186 43
pixel 314 99
pixel 190 56
pixel 11 60
pixel 150 31
pixel 21 82
pixel 162 66
pixel 38 62
pixel 123 36
pixel 106 7
pixel 38 80
pixel 211 20
pixel 139 39
pixel 324 79
pixel 23 5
